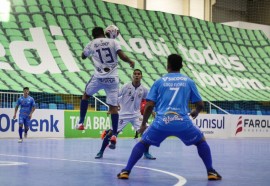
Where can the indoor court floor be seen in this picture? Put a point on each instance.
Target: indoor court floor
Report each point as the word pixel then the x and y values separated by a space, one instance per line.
pixel 71 162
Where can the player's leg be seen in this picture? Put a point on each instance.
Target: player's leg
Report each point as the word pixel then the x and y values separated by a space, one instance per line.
pixel 151 136
pixel 205 154
pixel 26 126
pixel 90 89
pixel 114 119
pixel 147 155
pixel 193 136
pixel 136 123
pixel 21 122
pixel 105 143
pixel 112 100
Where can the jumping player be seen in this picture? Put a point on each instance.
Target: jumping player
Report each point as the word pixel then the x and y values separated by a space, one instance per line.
pixel 103 52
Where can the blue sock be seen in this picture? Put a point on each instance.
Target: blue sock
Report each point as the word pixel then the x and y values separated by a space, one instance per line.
pixel 114 118
pixel 105 143
pixel 83 110
pixel 136 154
pixel 205 153
pixel 20 132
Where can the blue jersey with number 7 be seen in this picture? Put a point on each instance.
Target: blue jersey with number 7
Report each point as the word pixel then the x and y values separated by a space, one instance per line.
pixel 172 93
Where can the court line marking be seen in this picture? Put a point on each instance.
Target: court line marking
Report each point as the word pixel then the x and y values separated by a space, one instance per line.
pixel 181 180
pixel 11 163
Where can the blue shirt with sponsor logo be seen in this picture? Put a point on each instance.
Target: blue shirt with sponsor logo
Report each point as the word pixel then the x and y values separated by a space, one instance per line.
pixel 172 93
pixel 26 105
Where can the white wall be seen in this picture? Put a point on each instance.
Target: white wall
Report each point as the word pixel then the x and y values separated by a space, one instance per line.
pixel 132 3
pixel 169 6
pixel 196 9
pixel 250 26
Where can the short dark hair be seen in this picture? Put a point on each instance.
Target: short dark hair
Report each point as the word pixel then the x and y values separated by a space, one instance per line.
pixel 137 70
pixel 97 31
pixel 175 62
pixel 26 88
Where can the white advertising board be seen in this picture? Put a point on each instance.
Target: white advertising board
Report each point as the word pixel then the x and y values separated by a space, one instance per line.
pixel 44 124
pixel 250 126
pixel 214 125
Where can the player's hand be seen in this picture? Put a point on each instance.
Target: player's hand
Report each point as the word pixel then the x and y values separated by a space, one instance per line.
pixel 14 116
pixel 194 113
pixel 142 129
pixel 132 64
pixel 30 116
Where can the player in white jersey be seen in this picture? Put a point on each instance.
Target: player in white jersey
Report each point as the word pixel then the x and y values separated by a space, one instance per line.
pixel 103 52
pixel 130 97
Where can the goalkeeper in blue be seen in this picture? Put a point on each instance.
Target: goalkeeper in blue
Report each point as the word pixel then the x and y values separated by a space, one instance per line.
pixel 27 104
pixel 130 97
pixel 170 96
pixel 103 52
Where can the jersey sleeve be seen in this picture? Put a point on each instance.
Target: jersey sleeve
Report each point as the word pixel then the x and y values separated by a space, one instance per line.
pixel 88 50
pixel 18 102
pixel 153 93
pixel 117 46
pixel 194 94
pixel 145 93
pixel 33 103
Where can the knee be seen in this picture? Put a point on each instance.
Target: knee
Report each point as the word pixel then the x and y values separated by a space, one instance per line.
pixel 144 143
pixel 85 97
pixel 113 109
pixel 201 141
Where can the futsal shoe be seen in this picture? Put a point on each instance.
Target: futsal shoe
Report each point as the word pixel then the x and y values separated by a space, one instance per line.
pixel 214 175
pixel 80 126
pixel 123 174
pixel 25 134
pixel 20 140
pixel 148 156
pixel 99 155
pixel 113 142
pixel 104 133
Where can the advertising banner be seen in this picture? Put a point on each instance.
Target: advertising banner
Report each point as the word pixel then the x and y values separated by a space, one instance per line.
pixel 250 126
pixel 44 124
pixel 95 123
pixel 214 125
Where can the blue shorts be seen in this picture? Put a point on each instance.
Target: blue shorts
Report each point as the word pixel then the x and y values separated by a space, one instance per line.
pixel 186 131
pixel 24 120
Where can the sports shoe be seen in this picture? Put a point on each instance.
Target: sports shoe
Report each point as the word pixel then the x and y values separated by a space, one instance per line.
pixel 123 174
pixel 20 140
pixel 99 155
pixel 148 156
pixel 113 142
pixel 80 126
pixel 25 134
pixel 213 175
pixel 104 133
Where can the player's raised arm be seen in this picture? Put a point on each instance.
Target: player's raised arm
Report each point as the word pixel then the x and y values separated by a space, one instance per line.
pixel 125 58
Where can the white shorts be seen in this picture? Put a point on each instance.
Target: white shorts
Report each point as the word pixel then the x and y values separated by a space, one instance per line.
pixel 135 122
pixel 110 86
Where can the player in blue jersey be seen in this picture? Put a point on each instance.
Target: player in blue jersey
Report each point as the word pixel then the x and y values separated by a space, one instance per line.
pixel 27 104
pixel 170 96
pixel 103 52
pixel 130 98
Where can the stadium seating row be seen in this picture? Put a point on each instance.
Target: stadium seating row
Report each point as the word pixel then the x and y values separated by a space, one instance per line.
pixel 77 19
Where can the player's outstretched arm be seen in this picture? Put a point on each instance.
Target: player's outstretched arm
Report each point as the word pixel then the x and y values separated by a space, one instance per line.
pixel 195 112
pixel 125 58
pixel 15 112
